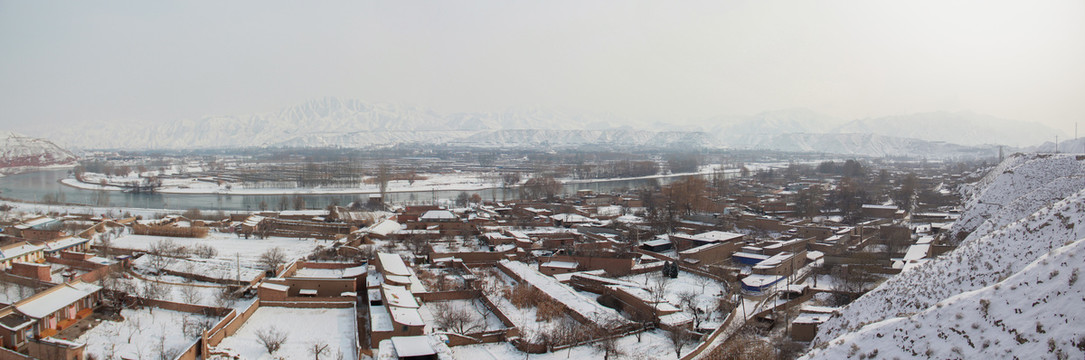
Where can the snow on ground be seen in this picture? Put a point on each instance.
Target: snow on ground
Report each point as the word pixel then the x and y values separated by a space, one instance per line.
pixel 108 211
pixel 212 268
pixel 525 319
pixel 707 296
pixel 11 292
pixel 319 273
pixel 564 294
pixel 477 310
pixel 654 344
pixel 143 334
pixel 176 292
pixel 1018 186
pixel 453 181
pixel 304 327
pixel 228 245
pixel 1035 311
pixel 977 263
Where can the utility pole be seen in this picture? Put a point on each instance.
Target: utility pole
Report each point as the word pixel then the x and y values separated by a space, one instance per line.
pixel 237 257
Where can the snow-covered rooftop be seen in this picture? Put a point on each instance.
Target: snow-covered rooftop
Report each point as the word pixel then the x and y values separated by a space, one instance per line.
pixel 392 264
pixel 409 346
pixel 398 296
pixel 55 299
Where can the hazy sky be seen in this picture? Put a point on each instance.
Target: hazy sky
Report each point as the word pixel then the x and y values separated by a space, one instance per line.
pixel 655 60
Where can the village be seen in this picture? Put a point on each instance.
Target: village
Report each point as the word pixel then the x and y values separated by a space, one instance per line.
pixel 694 268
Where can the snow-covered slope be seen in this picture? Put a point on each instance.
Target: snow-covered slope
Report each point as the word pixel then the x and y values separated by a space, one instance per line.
pixel 1020 185
pixel 858 144
pixel 1034 314
pixel 1014 238
pixel 777 122
pixel 20 150
pixel 958 127
pixel 559 138
pixel 335 122
pixel 1073 146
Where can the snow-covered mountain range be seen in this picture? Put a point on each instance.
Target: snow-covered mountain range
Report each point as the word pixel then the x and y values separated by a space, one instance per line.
pixel 18 150
pixel 964 128
pixel 335 122
pixel 1010 288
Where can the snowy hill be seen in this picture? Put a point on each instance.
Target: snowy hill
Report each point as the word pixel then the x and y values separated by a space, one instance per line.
pixel 1033 314
pixel 568 138
pixel 1017 187
pixel 1072 146
pixel 18 150
pixel 772 123
pixel 859 144
pixel 334 122
pixel 963 128
pixel 1034 206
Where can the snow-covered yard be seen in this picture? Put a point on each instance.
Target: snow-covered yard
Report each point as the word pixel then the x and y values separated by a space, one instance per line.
pixel 230 248
pixel 212 268
pixel 708 292
pixel 303 328
pixel 189 293
pixel 143 334
pixel 654 344
pixel 480 316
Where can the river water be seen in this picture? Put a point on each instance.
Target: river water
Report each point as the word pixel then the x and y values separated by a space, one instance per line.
pixel 35 186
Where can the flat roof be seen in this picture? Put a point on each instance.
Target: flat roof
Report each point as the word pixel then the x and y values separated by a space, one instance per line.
pixel 393 264
pixel 410 346
pixel 406 316
pixel 398 296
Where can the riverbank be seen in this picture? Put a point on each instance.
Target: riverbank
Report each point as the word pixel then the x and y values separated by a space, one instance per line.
pixel 434 182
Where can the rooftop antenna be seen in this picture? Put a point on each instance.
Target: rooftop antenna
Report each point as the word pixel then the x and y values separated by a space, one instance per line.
pixel 1056 144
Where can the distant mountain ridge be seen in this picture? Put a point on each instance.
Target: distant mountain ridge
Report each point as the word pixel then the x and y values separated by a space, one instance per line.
pixel 964 128
pixel 334 122
pixel 18 150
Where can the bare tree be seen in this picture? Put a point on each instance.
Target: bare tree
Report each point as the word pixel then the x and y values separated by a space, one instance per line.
pixel 272 338
pixel 384 175
pixel 657 290
pixel 224 298
pixel 688 300
pixel 272 258
pixel 318 348
pixel 190 294
pixel 457 319
pixel 105 244
pixel 679 338
pixel 703 281
pixel 164 253
pixel 607 343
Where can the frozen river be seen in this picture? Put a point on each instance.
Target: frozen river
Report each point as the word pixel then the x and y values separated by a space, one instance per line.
pixel 35 186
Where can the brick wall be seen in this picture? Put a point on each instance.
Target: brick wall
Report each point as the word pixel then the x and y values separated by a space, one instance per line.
pixel 31 270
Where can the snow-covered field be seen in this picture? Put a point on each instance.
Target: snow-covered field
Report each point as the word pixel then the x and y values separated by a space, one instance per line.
pixel 454 181
pixel 304 328
pixel 213 268
pixel 142 335
pixel 229 246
